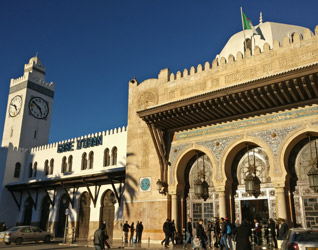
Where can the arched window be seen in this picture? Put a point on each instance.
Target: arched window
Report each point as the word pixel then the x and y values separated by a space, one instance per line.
pixel 64 165
pixel 114 156
pixel 70 163
pixel 51 166
pixel 17 170
pixel 30 170
pixel 106 157
pixel 35 166
pixel 46 167
pixel 248 44
pixel 84 161
pixel 91 160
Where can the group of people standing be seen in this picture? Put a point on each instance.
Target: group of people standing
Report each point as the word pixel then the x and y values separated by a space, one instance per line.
pixel 230 236
pixel 139 228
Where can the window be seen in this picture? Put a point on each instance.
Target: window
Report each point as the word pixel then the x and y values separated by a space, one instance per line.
pixel 64 165
pixel 248 44
pixel 46 167
pixel 84 161
pixel 70 163
pixel 30 170
pixel 114 156
pixel 106 157
pixel 17 170
pixel 51 166
pixel 35 166
pixel 91 160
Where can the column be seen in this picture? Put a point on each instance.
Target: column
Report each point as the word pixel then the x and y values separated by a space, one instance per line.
pixel 174 209
pixel 280 203
pixel 222 204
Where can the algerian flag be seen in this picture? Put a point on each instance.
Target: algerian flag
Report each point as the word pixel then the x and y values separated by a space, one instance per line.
pixel 247 24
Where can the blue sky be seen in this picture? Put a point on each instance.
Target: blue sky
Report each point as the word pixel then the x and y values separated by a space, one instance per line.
pixel 92 48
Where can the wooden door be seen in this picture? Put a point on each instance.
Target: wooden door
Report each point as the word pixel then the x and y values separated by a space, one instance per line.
pixel 84 214
pixel 108 212
pixel 64 203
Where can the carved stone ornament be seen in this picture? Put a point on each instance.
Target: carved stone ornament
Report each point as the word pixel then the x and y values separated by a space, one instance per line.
pixel 147 99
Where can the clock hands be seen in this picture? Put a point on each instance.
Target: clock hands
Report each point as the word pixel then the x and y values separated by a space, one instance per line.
pixel 15 106
pixel 37 106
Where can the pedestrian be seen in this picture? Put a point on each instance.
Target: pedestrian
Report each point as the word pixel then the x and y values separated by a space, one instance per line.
pixel 272 227
pixel 140 228
pixel 210 229
pixel 223 240
pixel 132 231
pixel 243 234
pixel 126 230
pixel 282 233
pixel 189 235
pixel 100 238
pixel 167 231
pixel 137 232
pixel 201 234
pixel 173 231
pixel 217 234
pixel 258 232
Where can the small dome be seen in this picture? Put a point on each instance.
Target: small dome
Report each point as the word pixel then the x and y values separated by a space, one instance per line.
pixel 267 32
pixel 36 61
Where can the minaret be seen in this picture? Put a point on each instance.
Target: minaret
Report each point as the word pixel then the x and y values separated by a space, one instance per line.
pixel 29 108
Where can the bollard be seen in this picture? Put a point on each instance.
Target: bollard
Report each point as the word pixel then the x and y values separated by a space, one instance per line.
pixel 73 234
pixel 184 236
pixel 253 239
pixel 270 240
pixel 148 240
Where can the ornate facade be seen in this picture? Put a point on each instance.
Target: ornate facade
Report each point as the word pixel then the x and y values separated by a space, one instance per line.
pixel 252 110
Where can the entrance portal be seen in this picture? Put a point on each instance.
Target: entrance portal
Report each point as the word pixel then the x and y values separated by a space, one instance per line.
pixel 255 209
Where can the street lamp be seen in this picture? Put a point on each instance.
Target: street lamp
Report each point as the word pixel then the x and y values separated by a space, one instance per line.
pixel 313 172
pixel 252 182
pixel 162 187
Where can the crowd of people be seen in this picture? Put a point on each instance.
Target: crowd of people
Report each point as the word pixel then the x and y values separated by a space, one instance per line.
pixel 223 234
pixel 133 238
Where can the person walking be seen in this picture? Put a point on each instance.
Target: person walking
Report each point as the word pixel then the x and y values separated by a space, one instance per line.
pixel 189 235
pixel 216 230
pixel 223 240
pixel 243 234
pixel 209 230
pixel 173 232
pixel 258 232
pixel 282 233
pixel 132 231
pixel 100 238
pixel 201 234
pixel 126 231
pixel 167 231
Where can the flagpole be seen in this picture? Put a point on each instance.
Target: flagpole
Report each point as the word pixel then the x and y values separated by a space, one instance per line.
pixel 243 30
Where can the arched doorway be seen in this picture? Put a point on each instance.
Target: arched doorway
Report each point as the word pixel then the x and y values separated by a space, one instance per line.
pixel 251 159
pixel 197 166
pixel 84 215
pixel 303 201
pixel 45 211
pixel 27 216
pixel 107 212
pixel 64 203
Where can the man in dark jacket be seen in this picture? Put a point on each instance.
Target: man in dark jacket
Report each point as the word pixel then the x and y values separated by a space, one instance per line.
pixel 189 235
pixel 201 234
pixel 243 235
pixel 99 237
pixel 167 230
pixel 282 233
pixel 126 230
pixel 139 229
pixel 217 232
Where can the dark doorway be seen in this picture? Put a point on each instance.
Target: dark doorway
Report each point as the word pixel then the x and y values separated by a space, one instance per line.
pixel 64 203
pixel 84 214
pixel 255 209
pixel 107 212
pixel 28 212
pixel 45 211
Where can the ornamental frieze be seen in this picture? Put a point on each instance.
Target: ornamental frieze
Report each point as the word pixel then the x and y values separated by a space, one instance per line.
pixel 147 99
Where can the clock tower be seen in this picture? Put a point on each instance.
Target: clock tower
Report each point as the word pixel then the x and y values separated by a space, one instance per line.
pixel 29 108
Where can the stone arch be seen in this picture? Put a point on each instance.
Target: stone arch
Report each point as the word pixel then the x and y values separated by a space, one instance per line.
pixel 181 162
pixel 45 212
pixel 84 215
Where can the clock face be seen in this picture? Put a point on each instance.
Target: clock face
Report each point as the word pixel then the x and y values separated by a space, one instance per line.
pixel 145 184
pixel 15 106
pixel 38 107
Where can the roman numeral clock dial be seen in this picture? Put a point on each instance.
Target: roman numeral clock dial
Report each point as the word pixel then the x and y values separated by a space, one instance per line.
pixel 38 108
pixel 15 106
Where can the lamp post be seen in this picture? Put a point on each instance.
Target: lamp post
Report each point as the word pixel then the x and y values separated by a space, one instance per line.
pixel 252 182
pixel 162 187
pixel 313 172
